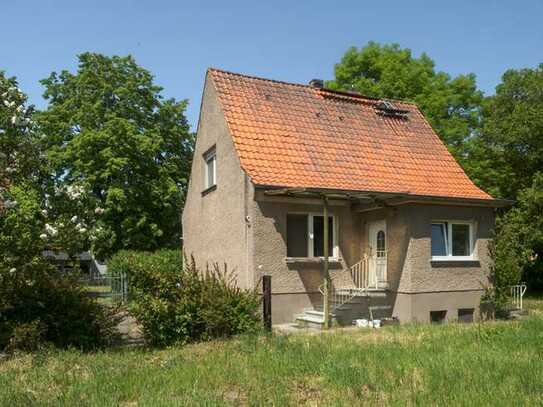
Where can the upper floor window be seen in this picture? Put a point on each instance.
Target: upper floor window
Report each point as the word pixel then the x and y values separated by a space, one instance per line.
pixel 305 235
pixel 210 160
pixel 452 240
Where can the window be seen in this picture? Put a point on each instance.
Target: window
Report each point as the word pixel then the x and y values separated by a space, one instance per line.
pixel 438 317
pixel 318 236
pixel 452 240
pixel 305 235
pixel 210 159
pixel 381 243
pixel 297 236
pixel 465 315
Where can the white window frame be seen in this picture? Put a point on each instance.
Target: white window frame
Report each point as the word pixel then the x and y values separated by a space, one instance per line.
pixel 334 256
pixel 448 241
pixel 210 155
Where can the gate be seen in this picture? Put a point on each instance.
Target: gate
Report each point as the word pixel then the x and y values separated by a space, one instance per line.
pixel 107 289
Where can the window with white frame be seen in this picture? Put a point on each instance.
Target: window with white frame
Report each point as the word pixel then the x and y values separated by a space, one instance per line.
pixel 452 240
pixel 305 235
pixel 210 160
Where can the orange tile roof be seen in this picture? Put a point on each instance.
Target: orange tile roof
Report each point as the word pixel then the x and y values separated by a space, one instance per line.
pixel 292 135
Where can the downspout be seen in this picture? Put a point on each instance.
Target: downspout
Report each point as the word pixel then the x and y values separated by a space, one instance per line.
pixel 248 220
pixel 326 268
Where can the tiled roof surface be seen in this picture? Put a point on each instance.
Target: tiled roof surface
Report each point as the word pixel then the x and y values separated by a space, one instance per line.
pixel 293 135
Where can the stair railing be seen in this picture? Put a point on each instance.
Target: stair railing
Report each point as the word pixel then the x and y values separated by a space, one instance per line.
pixel 517 292
pixel 359 273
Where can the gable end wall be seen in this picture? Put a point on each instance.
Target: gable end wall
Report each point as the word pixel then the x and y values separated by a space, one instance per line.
pixel 214 225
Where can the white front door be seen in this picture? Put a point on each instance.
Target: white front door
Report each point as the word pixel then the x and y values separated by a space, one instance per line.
pixel 377 244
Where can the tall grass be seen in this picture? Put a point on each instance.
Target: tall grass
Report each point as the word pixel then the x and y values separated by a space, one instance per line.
pixel 481 364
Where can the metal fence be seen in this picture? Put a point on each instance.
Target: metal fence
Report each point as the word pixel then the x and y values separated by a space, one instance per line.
pixel 107 288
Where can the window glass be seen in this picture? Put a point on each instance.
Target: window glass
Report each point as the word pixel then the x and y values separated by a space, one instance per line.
pixel 318 236
pixel 439 239
pixel 438 317
pixel 210 162
pixel 465 315
pixel 297 236
pixel 381 244
pixel 460 240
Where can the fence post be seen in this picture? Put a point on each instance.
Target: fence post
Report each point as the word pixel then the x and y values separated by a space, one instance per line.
pixel 266 302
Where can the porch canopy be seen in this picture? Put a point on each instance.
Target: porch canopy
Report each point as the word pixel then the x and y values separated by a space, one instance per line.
pixel 364 201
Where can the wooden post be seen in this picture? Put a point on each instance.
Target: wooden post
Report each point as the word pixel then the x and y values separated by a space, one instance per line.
pixel 266 302
pixel 326 271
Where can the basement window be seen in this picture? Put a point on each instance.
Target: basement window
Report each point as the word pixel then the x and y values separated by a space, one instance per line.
pixel 465 315
pixel 210 160
pixel 438 317
pixel 305 236
pixel 452 240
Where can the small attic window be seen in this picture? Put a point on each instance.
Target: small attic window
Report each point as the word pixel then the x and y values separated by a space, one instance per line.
pixel 210 161
pixel 387 108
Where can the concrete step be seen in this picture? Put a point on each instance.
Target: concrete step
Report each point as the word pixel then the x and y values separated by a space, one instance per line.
pixel 316 313
pixel 312 318
pixel 308 321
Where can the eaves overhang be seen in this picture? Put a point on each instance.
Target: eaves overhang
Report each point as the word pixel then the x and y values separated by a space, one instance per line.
pixel 369 200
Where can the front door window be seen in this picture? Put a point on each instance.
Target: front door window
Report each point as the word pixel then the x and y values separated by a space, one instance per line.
pixel 378 252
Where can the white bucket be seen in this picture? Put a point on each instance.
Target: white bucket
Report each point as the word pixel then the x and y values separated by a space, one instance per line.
pixel 361 323
pixel 377 323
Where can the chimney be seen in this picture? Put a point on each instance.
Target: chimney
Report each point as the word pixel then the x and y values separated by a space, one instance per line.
pixel 316 83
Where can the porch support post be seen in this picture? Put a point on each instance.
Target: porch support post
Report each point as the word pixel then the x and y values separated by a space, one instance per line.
pixel 326 267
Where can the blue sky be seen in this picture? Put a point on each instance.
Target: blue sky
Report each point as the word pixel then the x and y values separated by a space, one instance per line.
pixel 288 40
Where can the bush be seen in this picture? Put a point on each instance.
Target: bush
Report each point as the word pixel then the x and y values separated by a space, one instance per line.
pixel 38 304
pixel 177 303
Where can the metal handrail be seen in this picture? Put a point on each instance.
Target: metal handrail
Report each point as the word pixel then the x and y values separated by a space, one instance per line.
pixel 517 292
pixel 361 278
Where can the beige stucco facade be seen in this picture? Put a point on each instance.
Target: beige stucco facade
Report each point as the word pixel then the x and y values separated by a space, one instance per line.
pixel 237 224
pixel 215 224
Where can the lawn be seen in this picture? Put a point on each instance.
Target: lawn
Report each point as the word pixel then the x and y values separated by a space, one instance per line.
pixel 495 363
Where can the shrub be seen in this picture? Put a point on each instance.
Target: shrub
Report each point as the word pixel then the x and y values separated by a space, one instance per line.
pixel 39 304
pixel 177 303
pixel 27 336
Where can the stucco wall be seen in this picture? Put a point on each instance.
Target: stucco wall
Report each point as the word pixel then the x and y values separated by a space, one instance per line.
pixel 427 276
pixel 214 225
pixel 270 250
pixel 410 271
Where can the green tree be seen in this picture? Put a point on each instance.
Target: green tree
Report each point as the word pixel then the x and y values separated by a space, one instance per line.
pixel 507 154
pixel 519 240
pixel 109 131
pixel 21 178
pixel 452 105
pixel 19 148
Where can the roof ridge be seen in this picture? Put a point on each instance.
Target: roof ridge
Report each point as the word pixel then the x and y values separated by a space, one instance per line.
pixel 343 93
pixel 259 78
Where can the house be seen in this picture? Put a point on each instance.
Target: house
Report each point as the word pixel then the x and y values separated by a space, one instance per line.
pixel 408 230
pixel 90 266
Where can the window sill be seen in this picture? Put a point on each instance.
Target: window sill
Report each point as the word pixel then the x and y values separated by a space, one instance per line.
pixel 208 190
pixel 450 262
pixel 452 258
pixel 311 260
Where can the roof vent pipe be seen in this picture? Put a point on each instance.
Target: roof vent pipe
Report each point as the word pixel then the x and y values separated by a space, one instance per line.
pixel 316 83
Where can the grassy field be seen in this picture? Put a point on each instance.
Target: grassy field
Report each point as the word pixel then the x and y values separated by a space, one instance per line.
pixel 496 363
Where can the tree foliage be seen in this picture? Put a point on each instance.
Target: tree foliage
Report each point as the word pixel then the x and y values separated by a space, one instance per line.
pixel 519 241
pixel 508 153
pixel 452 105
pixel 109 130
pixel 19 149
